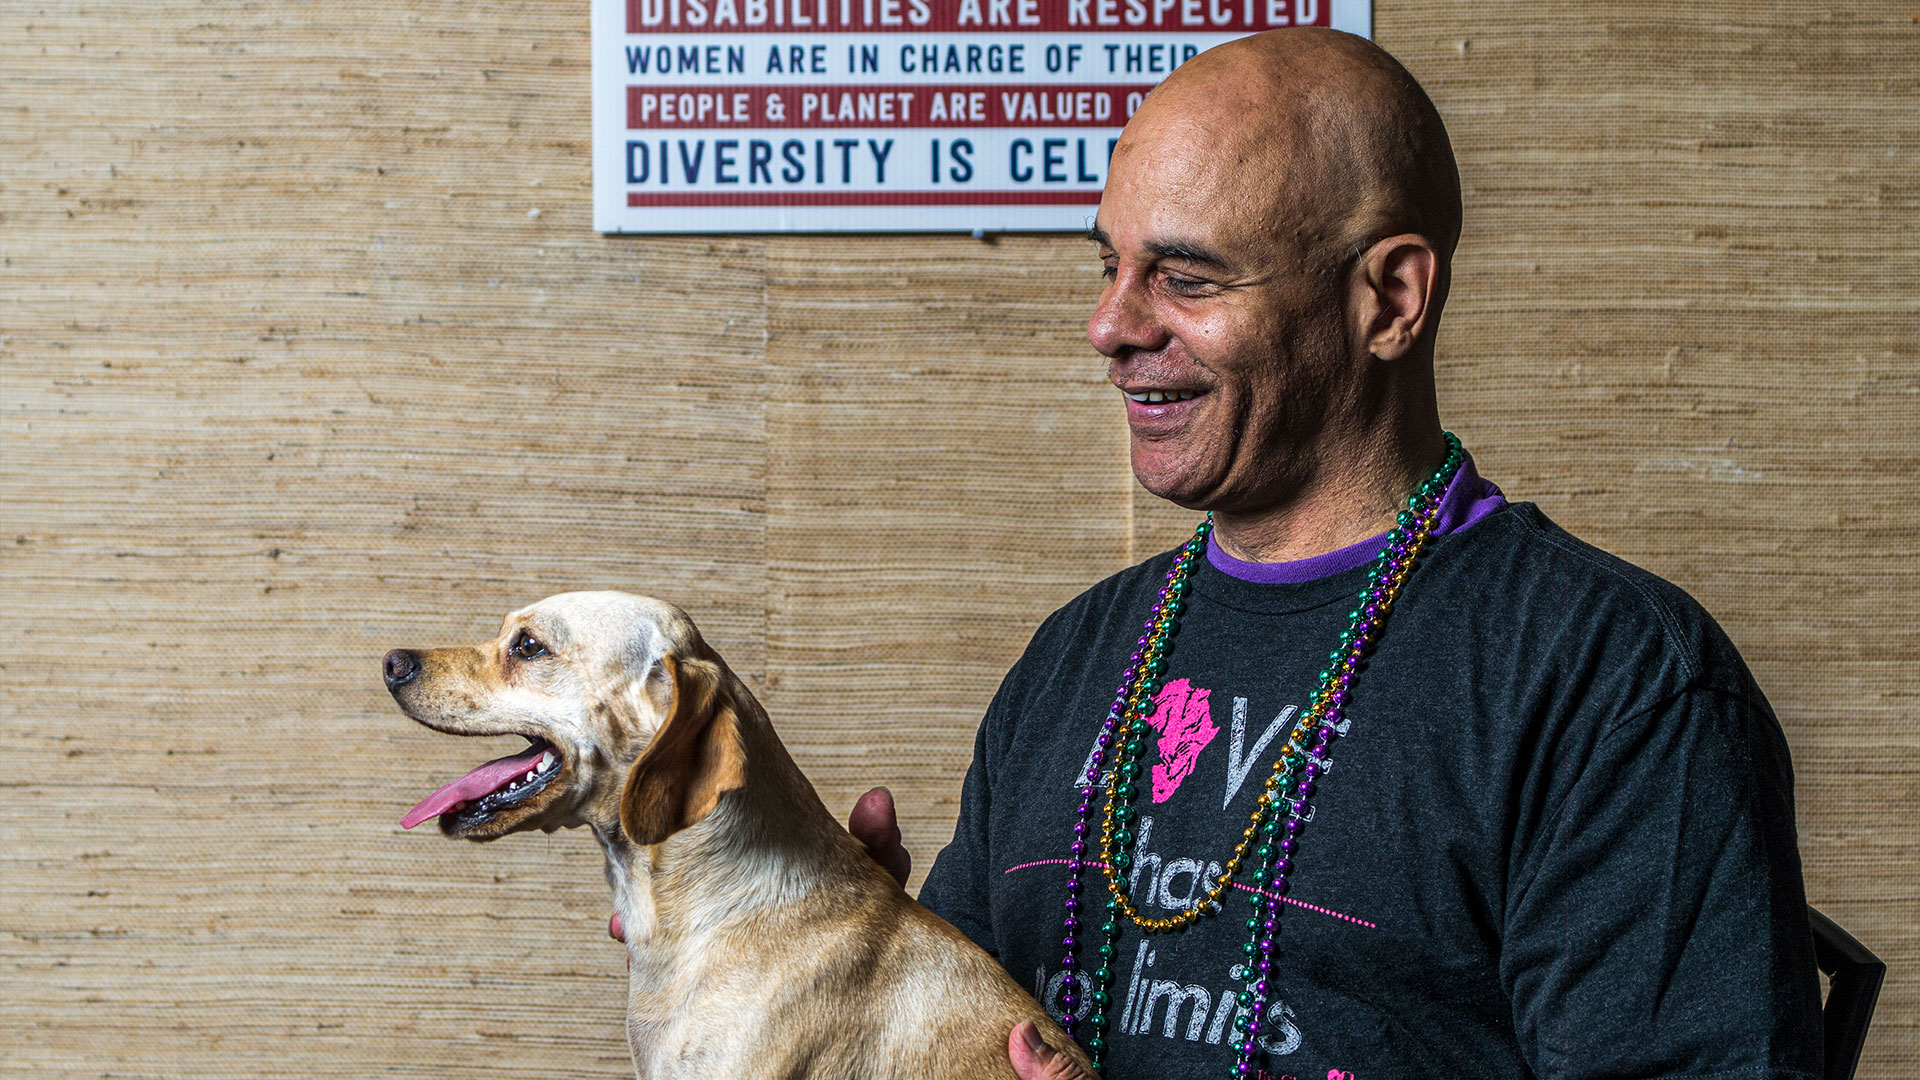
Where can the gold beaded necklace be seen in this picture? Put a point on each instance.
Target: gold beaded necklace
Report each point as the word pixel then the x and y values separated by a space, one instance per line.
pixel 1126 728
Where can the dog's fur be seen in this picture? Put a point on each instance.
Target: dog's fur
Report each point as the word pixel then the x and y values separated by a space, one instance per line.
pixel 764 941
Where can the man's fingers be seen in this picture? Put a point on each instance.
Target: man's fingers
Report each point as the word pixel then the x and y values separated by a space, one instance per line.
pixel 874 824
pixel 1033 1059
pixel 873 819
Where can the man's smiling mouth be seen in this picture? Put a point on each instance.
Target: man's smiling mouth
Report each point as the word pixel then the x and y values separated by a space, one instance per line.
pixel 1160 397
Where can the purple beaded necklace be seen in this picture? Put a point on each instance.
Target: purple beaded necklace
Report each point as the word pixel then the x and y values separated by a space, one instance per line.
pixel 1269 843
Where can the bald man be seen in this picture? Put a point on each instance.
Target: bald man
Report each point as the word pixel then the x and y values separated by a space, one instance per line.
pixel 1529 814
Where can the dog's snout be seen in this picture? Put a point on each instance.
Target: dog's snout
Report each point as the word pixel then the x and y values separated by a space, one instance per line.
pixel 401 667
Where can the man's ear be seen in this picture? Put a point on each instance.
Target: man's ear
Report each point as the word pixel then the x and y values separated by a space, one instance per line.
pixel 1397 289
pixel 694 758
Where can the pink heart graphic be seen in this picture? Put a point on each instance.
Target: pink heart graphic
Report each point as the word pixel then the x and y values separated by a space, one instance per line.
pixel 1184 719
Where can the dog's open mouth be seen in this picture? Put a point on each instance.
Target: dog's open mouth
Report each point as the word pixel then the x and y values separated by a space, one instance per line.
pixel 477 797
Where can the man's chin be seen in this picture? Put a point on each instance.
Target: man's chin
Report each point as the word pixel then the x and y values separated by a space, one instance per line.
pixel 1172 479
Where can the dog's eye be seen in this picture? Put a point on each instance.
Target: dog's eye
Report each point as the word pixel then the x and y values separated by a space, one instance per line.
pixel 526 647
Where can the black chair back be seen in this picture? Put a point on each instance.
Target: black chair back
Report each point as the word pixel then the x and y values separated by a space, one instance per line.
pixel 1854 976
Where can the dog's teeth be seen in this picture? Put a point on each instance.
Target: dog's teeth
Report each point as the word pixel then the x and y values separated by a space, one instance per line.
pixel 530 774
pixel 546 761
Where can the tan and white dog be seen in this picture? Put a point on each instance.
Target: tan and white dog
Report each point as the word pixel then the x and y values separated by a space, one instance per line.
pixel 764 941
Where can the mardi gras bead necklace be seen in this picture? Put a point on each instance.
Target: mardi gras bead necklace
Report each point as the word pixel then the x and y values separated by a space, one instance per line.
pixel 1268 843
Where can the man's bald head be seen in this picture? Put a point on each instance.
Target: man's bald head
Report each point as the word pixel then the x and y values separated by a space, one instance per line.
pixel 1335 135
pixel 1275 231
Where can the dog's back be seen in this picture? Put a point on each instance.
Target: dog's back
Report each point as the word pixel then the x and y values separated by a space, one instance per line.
pixel 855 981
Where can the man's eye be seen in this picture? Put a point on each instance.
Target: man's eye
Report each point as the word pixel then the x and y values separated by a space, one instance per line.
pixel 1184 285
pixel 526 647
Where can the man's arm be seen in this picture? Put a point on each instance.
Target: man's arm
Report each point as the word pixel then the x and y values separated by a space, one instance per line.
pixel 956 887
pixel 1655 924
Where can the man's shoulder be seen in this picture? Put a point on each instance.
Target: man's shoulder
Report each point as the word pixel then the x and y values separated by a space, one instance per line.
pixel 1124 586
pixel 1098 618
pixel 1535 545
pixel 1109 606
pixel 1522 562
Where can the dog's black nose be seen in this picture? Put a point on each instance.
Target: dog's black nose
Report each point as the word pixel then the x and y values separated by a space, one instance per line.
pixel 401 667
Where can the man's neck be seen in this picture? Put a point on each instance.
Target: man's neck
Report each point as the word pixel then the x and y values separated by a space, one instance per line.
pixel 1337 508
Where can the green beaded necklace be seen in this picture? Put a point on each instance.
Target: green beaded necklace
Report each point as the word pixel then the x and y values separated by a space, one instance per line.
pixel 1269 842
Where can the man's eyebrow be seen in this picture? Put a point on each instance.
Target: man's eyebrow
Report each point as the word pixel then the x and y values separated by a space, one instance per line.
pixel 1188 252
pixel 1183 250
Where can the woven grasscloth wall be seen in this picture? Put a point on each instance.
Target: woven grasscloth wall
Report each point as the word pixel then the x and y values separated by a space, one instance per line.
pixel 307 350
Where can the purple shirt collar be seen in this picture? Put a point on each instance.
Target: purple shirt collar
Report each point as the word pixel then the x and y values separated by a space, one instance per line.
pixel 1469 499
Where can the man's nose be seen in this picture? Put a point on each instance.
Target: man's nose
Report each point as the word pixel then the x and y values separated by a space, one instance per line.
pixel 1124 318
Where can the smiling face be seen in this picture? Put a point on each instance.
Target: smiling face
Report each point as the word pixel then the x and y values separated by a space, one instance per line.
pixel 579 676
pixel 1223 313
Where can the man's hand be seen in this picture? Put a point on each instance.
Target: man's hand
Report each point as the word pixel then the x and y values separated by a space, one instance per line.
pixel 1033 1059
pixel 873 823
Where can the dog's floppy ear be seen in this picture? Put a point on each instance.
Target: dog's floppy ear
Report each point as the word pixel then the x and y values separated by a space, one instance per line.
pixel 694 758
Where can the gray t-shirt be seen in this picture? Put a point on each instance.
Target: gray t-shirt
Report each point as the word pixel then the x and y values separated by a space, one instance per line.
pixel 1556 839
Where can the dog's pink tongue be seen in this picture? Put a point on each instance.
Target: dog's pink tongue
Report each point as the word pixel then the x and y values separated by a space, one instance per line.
pixel 477 784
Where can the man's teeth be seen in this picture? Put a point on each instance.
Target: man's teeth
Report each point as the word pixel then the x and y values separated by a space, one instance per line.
pixel 1157 397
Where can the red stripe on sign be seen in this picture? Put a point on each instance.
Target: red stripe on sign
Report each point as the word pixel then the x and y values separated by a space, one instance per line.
pixel 863 198
pixel 971 16
pixel 658 108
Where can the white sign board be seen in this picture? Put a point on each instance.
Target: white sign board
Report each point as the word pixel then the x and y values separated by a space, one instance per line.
pixel 868 115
